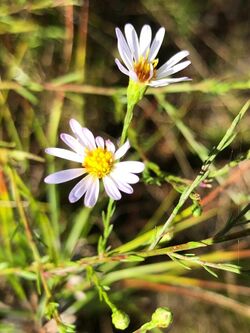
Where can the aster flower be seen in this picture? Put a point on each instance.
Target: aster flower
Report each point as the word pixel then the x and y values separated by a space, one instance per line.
pixel 139 57
pixel 99 160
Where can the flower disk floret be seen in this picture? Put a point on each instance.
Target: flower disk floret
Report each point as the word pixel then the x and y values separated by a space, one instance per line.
pixel 139 57
pixel 99 160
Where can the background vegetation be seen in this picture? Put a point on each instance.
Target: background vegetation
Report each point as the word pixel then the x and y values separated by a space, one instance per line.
pixel 57 63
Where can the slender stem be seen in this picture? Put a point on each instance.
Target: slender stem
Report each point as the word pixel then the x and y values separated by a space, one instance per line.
pixel 185 195
pixel 102 293
pixel 135 92
pixel 205 169
pixel 107 227
pixel 110 209
pixel 127 121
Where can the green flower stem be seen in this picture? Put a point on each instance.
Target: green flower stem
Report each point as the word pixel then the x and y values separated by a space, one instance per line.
pixel 135 93
pixel 127 121
pixel 106 218
pixel 119 318
pixel 205 169
pixel 92 277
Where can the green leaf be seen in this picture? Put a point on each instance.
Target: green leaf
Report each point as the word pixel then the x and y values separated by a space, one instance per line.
pixel 178 261
pixel 133 258
pixel 210 271
pixel 28 275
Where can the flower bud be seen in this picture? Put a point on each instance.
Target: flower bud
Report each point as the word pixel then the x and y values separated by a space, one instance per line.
pixel 120 320
pixel 162 317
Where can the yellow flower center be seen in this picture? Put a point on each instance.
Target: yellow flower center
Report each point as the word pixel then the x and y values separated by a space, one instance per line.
pixel 142 68
pixel 98 162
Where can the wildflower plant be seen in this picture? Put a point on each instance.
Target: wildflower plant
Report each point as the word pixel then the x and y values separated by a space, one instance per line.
pixel 59 259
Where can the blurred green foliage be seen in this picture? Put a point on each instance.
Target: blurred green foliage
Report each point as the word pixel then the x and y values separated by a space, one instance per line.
pixel 57 63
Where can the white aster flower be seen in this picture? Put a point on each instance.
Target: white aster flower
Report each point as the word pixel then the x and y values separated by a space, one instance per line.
pixel 99 160
pixel 139 57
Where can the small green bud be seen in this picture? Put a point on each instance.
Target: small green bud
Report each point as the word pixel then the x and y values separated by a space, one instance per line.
pixel 120 320
pixel 51 309
pixel 197 210
pixel 162 317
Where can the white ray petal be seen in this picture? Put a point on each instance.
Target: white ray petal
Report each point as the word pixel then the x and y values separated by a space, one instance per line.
pixel 151 72
pixel 145 39
pixel 80 188
pixel 172 70
pixel 77 130
pixel 130 178
pixel 92 193
pixel 89 138
pixel 72 143
pixel 132 40
pixel 158 84
pixel 64 176
pixel 165 82
pixel 83 134
pixel 99 141
pixel 121 67
pixel 154 49
pixel 111 188
pixel 133 76
pixel 122 150
pixel 173 60
pixel 75 125
pixel 110 146
pixel 121 184
pixel 64 153
pixel 125 57
pixel 130 166
pixel 123 49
